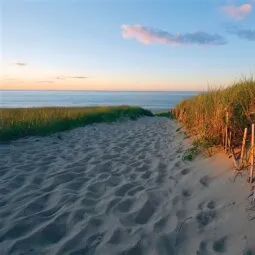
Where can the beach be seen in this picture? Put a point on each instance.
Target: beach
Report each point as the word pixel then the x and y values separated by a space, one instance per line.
pixel 124 189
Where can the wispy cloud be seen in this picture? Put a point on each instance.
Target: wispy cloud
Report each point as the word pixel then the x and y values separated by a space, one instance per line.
pixel 45 82
pixel 62 77
pixel 238 12
pixel 147 35
pixel 12 80
pixel 243 33
pixel 20 64
pixel 77 77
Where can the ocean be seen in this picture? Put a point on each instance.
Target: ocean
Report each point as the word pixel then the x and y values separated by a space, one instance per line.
pixel 153 100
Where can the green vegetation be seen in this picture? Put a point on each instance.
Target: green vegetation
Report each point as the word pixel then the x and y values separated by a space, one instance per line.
pixel 17 123
pixel 204 114
pixel 198 145
pixel 164 114
pixel 191 153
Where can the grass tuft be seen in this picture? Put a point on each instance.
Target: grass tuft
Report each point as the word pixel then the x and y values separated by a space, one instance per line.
pixel 164 114
pixel 204 114
pixel 21 122
pixel 191 153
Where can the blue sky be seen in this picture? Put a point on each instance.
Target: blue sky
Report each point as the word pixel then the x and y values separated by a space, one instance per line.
pixel 126 44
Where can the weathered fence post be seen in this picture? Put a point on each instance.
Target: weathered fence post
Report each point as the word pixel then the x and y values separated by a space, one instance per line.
pixel 252 121
pixel 252 152
pixel 223 137
pixel 226 133
pixel 243 147
pixel 229 140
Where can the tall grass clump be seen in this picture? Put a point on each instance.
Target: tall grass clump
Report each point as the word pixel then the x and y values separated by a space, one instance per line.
pixel 204 114
pixel 21 122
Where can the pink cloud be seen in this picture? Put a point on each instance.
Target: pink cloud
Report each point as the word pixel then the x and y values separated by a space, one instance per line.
pixel 147 35
pixel 143 34
pixel 238 12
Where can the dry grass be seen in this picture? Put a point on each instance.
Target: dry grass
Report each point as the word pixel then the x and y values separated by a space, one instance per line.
pixel 204 114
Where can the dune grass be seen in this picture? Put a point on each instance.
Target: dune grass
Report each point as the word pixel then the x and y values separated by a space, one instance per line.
pixel 17 123
pixel 204 114
pixel 165 114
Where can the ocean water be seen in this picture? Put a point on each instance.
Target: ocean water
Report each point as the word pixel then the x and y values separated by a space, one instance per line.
pixel 149 100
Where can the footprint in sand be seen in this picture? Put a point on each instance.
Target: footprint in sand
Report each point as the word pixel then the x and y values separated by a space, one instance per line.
pixel 78 216
pixel 125 205
pixel 177 164
pixel 202 248
pixel 98 188
pixel 133 176
pixel 219 245
pixel 201 205
pixel 205 217
pixel 186 193
pixel 89 202
pixel 205 181
pixel 142 168
pixel 121 191
pixel 185 171
pixel 145 213
pixel 211 205
pixel 114 181
pixel 112 204
pixel 249 252
pixel 117 236
pixel 146 175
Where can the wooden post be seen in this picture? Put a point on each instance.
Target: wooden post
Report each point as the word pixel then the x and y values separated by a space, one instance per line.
pixel 234 159
pixel 252 152
pixel 226 139
pixel 243 147
pixel 226 133
pixel 229 140
pixel 223 137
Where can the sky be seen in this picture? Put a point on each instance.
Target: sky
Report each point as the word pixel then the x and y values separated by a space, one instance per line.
pixel 125 44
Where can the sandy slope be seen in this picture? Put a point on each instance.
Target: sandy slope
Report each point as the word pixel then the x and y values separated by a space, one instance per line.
pixel 120 189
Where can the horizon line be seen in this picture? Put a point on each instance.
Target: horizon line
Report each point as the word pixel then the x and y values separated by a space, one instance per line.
pixel 85 90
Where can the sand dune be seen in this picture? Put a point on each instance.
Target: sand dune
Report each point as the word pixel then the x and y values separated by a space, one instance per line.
pixel 121 189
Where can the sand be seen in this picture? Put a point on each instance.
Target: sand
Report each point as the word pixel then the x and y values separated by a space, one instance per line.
pixel 120 188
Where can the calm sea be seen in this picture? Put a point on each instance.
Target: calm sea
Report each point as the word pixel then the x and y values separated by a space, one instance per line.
pixel 149 100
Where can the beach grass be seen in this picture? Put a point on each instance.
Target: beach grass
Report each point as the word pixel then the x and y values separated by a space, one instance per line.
pixel 204 115
pixel 164 114
pixel 21 122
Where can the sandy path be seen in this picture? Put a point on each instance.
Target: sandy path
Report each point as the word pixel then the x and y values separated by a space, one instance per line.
pixel 119 189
